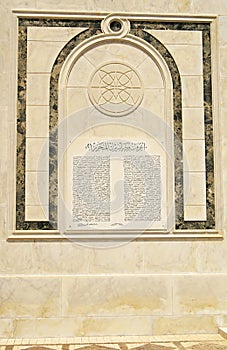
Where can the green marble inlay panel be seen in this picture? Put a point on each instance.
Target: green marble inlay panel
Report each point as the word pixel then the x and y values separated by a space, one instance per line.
pixel 137 29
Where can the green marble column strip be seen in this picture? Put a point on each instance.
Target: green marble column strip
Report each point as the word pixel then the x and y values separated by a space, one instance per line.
pixel 21 126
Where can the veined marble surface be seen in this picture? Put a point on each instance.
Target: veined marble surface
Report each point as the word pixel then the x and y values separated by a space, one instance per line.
pixel 188 82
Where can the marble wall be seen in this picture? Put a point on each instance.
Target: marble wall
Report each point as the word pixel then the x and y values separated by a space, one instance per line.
pixel 159 286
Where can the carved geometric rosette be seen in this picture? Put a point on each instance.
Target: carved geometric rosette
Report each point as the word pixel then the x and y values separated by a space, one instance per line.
pixel 115 89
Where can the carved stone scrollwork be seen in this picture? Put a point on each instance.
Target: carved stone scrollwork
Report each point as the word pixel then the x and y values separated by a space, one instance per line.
pixel 116 26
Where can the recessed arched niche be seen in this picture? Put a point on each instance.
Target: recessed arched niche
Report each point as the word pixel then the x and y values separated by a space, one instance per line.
pixel 116 164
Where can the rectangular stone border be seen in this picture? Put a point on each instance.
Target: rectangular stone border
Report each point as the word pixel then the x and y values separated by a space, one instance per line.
pixel 203 26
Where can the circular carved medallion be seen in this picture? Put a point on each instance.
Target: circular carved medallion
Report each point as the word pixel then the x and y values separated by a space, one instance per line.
pixel 115 89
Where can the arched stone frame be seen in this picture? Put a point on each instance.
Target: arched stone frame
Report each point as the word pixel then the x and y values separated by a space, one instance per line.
pixel 154 54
